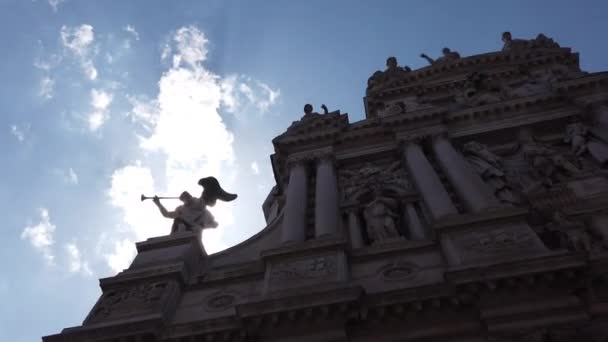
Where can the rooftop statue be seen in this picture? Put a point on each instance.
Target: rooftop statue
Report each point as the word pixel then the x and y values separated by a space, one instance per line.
pixel 448 56
pixel 541 41
pixel 193 215
pixel 308 110
pixel 392 71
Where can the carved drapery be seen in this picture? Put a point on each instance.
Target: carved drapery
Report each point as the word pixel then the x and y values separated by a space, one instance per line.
pixel 326 197
pixel 294 219
pixel 354 228
pixel 427 182
pixel 469 187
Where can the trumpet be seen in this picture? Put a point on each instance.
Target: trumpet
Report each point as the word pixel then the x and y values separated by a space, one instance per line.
pixel 143 197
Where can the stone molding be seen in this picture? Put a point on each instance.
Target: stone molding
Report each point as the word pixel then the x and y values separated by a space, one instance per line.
pixel 310 156
pixel 411 82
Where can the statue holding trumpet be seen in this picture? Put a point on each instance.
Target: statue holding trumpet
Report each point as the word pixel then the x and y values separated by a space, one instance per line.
pixel 193 215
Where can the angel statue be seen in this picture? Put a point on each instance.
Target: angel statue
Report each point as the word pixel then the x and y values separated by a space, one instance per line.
pixel 193 215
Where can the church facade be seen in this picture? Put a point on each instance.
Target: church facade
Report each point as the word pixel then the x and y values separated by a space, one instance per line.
pixel 470 205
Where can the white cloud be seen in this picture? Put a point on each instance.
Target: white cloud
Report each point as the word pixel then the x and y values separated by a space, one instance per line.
pixel 141 219
pixel 100 101
pixel 47 64
pixel 47 86
pixel 76 263
pixel 268 96
pixel 185 127
pixel 55 4
pixel 40 236
pixel 69 176
pixel 241 92
pixel 255 168
pixel 72 177
pixel 191 46
pixel 78 41
pixel 130 29
pixel 122 255
pixel 19 132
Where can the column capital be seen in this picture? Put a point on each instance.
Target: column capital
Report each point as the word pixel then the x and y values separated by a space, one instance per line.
pixel 311 155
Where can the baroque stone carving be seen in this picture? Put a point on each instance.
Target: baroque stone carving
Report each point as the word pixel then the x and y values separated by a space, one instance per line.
pixel 193 215
pixel 489 166
pixel 447 56
pixel 380 218
pixel 546 165
pixel 220 301
pixel 481 89
pixel 393 71
pixel 544 80
pixel 407 104
pixel 541 41
pixel 369 176
pixel 119 302
pixel 397 271
pixel 582 141
pixel 309 268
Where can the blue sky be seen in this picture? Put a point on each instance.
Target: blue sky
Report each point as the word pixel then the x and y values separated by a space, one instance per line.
pixel 104 100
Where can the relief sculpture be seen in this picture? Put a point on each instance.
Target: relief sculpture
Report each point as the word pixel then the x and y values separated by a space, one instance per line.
pixel 305 269
pixel 489 166
pixel 121 302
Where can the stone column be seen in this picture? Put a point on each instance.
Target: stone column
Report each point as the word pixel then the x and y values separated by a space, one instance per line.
pixel 354 229
pixel 469 187
pixel 427 182
pixel 326 198
pixel 294 218
pixel 415 227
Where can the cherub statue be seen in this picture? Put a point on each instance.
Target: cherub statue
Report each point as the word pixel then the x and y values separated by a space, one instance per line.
pixel 193 215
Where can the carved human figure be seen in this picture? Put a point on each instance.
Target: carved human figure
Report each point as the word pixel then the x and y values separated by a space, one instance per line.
pixel 193 215
pixel 546 164
pixel 489 167
pixel 448 56
pixel 392 70
pixel 541 41
pixel 576 135
pixel 512 44
pixel 581 141
pixel 380 217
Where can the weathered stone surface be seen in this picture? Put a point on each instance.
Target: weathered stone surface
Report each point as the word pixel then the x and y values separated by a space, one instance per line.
pixel 470 205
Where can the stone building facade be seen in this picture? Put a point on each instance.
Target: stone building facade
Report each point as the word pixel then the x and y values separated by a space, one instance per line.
pixel 470 205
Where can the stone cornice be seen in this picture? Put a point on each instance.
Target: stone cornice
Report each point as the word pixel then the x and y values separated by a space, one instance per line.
pixel 169 241
pixel 176 270
pixel 306 247
pixel 414 81
pixel 466 221
pixel 231 273
pixel 405 247
pixel 301 299
pixel 554 262
pixel 417 135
